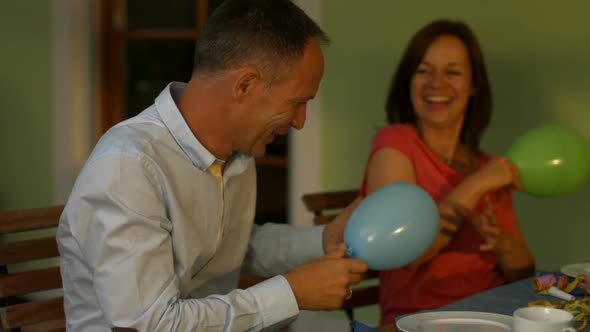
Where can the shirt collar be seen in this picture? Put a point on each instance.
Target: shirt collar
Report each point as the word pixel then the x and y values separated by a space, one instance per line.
pixel 173 120
pixel 200 157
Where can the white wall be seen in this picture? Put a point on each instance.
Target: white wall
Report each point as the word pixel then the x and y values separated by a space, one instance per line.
pixel 75 87
pixel 305 153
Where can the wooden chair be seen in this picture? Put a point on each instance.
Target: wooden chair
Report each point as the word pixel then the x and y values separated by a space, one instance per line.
pixel 325 207
pixel 30 314
pixel 18 311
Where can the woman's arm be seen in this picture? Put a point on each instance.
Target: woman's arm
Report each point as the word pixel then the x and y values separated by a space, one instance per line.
pixel 388 165
pixel 512 253
pixel 514 258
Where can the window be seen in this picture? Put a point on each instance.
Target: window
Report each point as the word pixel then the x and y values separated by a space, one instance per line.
pixel 145 44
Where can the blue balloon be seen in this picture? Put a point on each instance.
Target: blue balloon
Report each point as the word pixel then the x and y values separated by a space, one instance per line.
pixel 392 227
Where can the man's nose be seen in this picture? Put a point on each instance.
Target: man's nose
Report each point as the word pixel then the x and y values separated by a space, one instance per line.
pixel 299 120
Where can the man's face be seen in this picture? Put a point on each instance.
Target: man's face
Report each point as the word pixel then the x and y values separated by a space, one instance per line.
pixel 283 105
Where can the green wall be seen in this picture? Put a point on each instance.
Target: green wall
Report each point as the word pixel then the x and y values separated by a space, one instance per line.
pixel 537 55
pixel 26 167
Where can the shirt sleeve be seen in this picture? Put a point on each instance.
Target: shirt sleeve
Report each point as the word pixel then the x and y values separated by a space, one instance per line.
pixel 123 232
pixel 277 248
pixel 395 136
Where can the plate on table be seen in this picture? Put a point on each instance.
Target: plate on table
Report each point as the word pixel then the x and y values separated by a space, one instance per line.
pixel 455 321
pixel 574 270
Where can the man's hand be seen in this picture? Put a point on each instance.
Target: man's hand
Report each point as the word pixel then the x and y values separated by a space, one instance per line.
pixel 324 283
pixel 334 231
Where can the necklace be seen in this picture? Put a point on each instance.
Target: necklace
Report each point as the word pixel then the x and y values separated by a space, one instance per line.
pixel 448 160
pixel 451 155
pixel 464 163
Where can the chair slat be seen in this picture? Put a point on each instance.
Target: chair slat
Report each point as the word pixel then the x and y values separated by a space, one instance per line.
pixel 32 313
pixel 322 220
pixel 249 281
pixel 317 202
pixel 38 314
pixel 22 251
pixel 362 297
pixel 30 281
pixel 26 220
pixel 55 325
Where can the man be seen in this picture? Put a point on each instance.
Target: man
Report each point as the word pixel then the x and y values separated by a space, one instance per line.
pixel 160 220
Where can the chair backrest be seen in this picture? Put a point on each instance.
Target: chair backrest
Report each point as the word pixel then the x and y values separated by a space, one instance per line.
pixel 325 206
pixel 22 306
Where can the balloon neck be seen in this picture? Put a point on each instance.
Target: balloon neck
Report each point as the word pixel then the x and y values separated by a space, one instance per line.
pixel 349 252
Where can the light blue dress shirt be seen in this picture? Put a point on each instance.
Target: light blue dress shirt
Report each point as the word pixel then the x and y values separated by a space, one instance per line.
pixel 145 244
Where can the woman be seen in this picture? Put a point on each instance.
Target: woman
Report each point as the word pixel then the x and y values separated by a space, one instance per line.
pixel 438 108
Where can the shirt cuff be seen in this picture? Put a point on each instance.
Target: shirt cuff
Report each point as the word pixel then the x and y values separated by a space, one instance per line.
pixel 275 299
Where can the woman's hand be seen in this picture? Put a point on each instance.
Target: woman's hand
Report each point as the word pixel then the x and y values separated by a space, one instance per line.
pixel 499 172
pixel 487 225
pixel 511 251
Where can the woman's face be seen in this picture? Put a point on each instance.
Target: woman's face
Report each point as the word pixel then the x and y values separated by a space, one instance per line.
pixel 441 86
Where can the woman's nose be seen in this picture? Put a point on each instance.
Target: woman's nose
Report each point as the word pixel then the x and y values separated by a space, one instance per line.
pixel 436 79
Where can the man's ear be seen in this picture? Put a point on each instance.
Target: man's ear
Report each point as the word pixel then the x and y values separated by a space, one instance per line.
pixel 246 81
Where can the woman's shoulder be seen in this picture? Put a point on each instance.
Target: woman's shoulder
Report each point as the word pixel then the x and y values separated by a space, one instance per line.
pixel 398 132
pixel 401 137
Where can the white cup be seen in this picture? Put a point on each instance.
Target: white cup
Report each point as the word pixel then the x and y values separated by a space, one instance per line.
pixel 541 319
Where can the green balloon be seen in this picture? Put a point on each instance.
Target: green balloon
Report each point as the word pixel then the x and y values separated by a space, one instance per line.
pixel 552 160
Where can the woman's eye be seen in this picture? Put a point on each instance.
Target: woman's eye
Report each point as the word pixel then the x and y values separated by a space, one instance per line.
pixel 454 72
pixel 422 71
